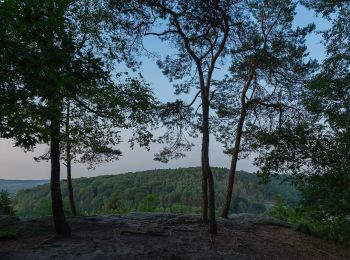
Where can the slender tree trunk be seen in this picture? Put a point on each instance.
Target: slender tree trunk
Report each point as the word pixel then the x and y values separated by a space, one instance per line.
pixel 235 152
pixel 233 166
pixel 206 167
pixel 205 146
pixel 204 209
pixel 69 164
pixel 211 204
pixel 61 226
pixel 70 188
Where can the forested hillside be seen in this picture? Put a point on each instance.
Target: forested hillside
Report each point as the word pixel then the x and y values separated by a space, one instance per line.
pixel 12 186
pixel 169 190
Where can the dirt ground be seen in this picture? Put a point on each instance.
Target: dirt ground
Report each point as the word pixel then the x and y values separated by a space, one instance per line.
pixel 165 236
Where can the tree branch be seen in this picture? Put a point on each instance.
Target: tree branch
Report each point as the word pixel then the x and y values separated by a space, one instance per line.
pixel 194 99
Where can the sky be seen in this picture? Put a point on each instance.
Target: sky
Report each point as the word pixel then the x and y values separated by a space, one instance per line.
pixel 17 164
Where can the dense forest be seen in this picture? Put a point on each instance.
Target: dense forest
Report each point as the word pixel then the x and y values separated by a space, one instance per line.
pixel 170 190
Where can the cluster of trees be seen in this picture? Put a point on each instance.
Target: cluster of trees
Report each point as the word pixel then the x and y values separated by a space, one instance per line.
pixel 316 149
pixel 171 190
pixel 6 207
pixel 59 86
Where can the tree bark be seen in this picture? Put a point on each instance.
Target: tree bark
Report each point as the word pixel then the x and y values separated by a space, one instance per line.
pixel 70 188
pixel 206 166
pixel 205 146
pixel 233 166
pixel 61 226
pixel 69 164
pixel 211 204
pixel 204 209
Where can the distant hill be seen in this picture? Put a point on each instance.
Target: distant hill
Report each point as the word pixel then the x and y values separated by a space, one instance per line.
pixel 13 186
pixel 167 190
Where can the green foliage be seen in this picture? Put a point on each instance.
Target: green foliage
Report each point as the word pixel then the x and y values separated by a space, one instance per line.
pixel 243 205
pixel 177 190
pixel 115 206
pixel 315 151
pixel 335 228
pixel 42 207
pixel 147 204
pixel 198 46
pixel 6 207
pixel 282 211
pixel 51 56
pixel 325 7
pixel 47 59
pixel 269 60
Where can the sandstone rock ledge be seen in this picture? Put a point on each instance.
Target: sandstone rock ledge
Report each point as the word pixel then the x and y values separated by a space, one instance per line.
pixel 163 236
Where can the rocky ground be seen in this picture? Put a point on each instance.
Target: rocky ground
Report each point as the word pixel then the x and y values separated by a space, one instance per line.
pixel 162 236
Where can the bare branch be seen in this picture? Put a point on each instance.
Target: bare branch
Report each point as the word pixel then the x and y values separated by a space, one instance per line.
pixel 160 34
pixel 194 99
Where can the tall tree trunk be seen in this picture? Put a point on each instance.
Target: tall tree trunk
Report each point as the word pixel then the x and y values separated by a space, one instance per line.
pixel 61 226
pixel 206 167
pixel 205 146
pixel 70 187
pixel 69 163
pixel 235 152
pixel 204 209
pixel 233 166
pixel 211 203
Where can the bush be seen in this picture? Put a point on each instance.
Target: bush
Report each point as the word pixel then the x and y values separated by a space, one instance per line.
pixel 282 211
pixel 332 228
pixel 115 206
pixel 6 207
pixel 147 204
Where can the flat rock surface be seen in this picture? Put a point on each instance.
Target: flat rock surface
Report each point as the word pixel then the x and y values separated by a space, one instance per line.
pixel 165 236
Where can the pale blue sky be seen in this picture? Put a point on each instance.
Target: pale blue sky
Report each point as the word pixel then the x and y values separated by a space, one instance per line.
pixel 15 164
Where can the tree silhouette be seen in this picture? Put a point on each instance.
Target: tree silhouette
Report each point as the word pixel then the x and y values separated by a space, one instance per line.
pixel 45 61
